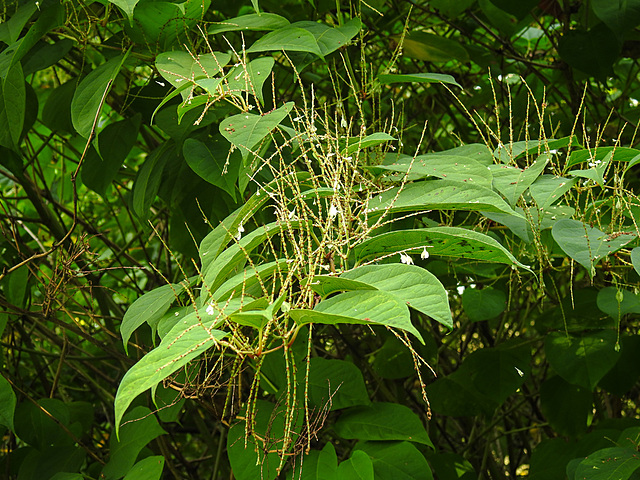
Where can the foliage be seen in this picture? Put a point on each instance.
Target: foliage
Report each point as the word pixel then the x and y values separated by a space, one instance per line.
pixel 331 239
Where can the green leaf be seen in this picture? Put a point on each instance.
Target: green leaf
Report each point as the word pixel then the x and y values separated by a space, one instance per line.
pixel 548 189
pixel 187 340
pixel 15 101
pixel 416 287
pixel 49 461
pixel 450 167
pixel 249 278
pixel 115 142
pixel 450 466
pixel 615 463
pixel 320 465
pixel 36 428
pixel 635 259
pixel 212 163
pixel 587 245
pixel 336 384
pixel 367 307
pixel 437 195
pixel 582 360
pixel 147 181
pixel 140 428
pixel 483 304
pixel 396 460
pixel 181 68
pixel 148 469
pixel 624 374
pixel 596 172
pixel 394 360
pixel 357 144
pixel 566 407
pixel 512 181
pixel 216 271
pixel 330 39
pixel 7 403
pixel 432 48
pixel 56 114
pixel 246 130
pixel 357 467
pixel 289 38
pixel 444 241
pixel 88 97
pixel 254 21
pixel 593 51
pixel 608 302
pixel 250 77
pixel 382 421
pixel 127 6
pixel 618 15
pixel 11 29
pixel 418 78
pixel 149 308
pixel 599 154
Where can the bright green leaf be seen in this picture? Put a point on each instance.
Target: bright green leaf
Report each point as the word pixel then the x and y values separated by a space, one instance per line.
pixel 357 467
pixel 148 469
pixel 254 21
pixel 127 6
pixel 418 78
pixel 512 181
pixel 615 463
pixel 396 460
pixel 382 421
pixel 289 38
pixel 212 163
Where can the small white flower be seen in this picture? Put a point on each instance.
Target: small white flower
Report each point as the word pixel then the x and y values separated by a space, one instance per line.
pixel 348 158
pixel 160 83
pixel 404 258
pixel 336 185
pixel 424 255
pixel 343 122
pixel 240 232
pixel 333 211
pixel 210 310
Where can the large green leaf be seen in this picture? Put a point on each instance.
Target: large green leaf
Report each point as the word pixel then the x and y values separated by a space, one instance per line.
pixel 249 77
pixel 247 130
pixel 382 421
pixel 187 340
pixel 396 460
pixel 412 285
pixel 7 403
pixel 320 465
pixel 180 68
pixel 289 38
pixel 635 259
pixel 444 241
pixel 592 52
pixel 432 48
pixel 212 162
pixel 140 427
pixel 512 181
pixel 336 384
pixel 582 360
pixel 438 195
pixel 618 15
pixel 115 142
pixel 149 468
pixel 357 467
pixel 49 461
pixel 483 304
pixel 418 78
pixel 367 307
pixel 90 94
pixel 617 302
pixel 615 463
pixel 148 308
pixel 565 406
pixel 360 143
pixel 254 21
pixel 147 181
pixel 330 39
pixel 127 7
pixel 587 245
pixel 548 189
pixel 15 101
pixel 450 167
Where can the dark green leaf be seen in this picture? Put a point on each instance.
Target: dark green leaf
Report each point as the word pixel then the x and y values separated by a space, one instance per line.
pixel 483 304
pixel 289 38
pixel 615 463
pixel 148 469
pixel 592 52
pixel 512 181
pixel 357 467
pixel 336 384
pixel 582 360
pixel 90 94
pixel 7 404
pixel 15 101
pixel 212 162
pixel 565 406
pixel 418 78
pixel 432 48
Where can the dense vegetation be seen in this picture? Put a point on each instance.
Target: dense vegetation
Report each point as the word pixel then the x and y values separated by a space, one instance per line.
pixel 319 239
